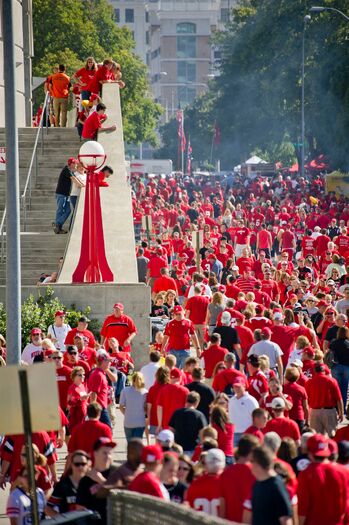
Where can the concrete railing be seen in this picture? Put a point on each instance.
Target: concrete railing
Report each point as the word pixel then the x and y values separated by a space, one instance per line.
pixel 130 508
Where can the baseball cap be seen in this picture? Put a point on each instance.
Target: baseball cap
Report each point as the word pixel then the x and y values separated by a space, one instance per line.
pixel 119 305
pixel 226 318
pixel 152 454
pixel 175 373
pixel 166 436
pixel 215 456
pixel 257 284
pixel 266 331
pixel 332 445
pixel 102 355
pixel 235 268
pixel 253 359
pixel 221 288
pixel 322 303
pixel 93 97
pixel 104 442
pixel 36 331
pixel 278 402
pixel 59 313
pixel 331 281
pixel 57 353
pixel 84 319
pixel 318 446
pixel 72 160
pixel 177 309
pixel 259 309
pixel 293 296
pixel 71 349
pixel 309 350
pixel 317 229
pixel 48 352
pixel 278 316
pixel 297 362
pixel 183 256
pixel 239 381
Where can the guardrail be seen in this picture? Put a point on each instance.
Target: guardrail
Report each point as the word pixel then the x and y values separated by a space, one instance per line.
pixel 130 508
pixel 27 192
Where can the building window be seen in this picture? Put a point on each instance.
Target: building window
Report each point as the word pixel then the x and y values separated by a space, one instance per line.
pixel 147 39
pixel 186 71
pixel 129 16
pixel 185 95
pixel 186 27
pixel 225 15
pixel 147 17
pixel 186 46
pixel 117 15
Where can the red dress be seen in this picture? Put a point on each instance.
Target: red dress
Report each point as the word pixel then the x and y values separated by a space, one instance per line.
pixel 76 405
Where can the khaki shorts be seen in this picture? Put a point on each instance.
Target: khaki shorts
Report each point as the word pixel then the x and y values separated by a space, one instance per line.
pixel 324 420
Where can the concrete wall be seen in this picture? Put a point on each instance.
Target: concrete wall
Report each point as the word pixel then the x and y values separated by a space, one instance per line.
pixel 115 201
pixel 101 298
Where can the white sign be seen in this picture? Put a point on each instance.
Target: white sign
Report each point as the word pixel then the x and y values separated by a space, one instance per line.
pixel 155 166
pixel 2 159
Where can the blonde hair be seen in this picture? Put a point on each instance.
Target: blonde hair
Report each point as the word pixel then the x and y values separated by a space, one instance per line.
pixel 138 381
pixel 264 362
pixel 302 342
pixel 39 459
pixel 217 298
pixel 48 344
pixel 76 370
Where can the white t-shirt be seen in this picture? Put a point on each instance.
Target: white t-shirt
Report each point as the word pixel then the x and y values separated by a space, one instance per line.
pixel 208 290
pixel 269 348
pixel 240 411
pixel 19 506
pixel 149 372
pixel 295 354
pixel 29 352
pixel 75 190
pixel 59 333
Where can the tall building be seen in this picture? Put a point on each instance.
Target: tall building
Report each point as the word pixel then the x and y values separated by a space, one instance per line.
pixel 23 53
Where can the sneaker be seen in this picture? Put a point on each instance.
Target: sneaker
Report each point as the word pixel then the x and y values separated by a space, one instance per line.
pixel 62 231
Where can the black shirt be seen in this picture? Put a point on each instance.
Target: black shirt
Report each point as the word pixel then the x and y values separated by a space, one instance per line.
pixel 300 463
pixel 176 491
pixel 270 502
pixel 193 214
pixel 340 348
pixel 331 333
pixel 206 396
pixel 187 423
pixel 316 319
pixel 229 336
pixel 63 496
pixel 159 311
pixel 64 182
pixel 86 496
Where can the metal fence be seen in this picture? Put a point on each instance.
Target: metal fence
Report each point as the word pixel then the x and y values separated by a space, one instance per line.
pixel 130 508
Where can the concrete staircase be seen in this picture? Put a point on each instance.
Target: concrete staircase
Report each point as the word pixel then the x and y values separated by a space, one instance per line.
pixel 40 247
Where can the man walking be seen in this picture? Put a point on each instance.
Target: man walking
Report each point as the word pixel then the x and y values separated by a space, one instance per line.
pixel 187 422
pixel 62 195
pixel 60 83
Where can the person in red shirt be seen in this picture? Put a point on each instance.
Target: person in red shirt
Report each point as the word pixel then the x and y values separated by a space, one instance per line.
pixel 162 378
pixel 120 326
pixel 284 336
pixel 148 482
pixel 196 312
pixel 236 483
pixel 77 397
pixel 93 123
pixel 231 291
pixel 288 241
pixel 322 242
pixel 164 282
pixel 82 330
pixel 225 378
pixel 71 359
pixel 264 241
pixel 300 409
pixel 241 239
pixel 259 421
pixel 204 492
pixel 98 384
pixel 323 489
pixel 213 354
pixel 257 382
pixel 342 242
pixel 171 397
pixel 102 75
pixel 283 426
pixel 156 262
pixel 85 353
pixel 178 334
pixel 308 244
pixel 63 378
pixel 270 287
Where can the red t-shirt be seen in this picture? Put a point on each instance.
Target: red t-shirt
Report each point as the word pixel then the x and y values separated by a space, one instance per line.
pixel 154 266
pixel 270 287
pixel 226 438
pixel 164 283
pixel 101 74
pixel 63 381
pixel 86 334
pixel 211 357
pixel 323 494
pixel 121 361
pixel 323 391
pixel 120 328
pixel 254 431
pixel 97 382
pixel 204 493
pixel 285 337
pixel 287 240
pixel 197 305
pixel 235 487
pixel 92 125
pixel 284 427
pixel 85 435
pixel 85 76
pixel 257 385
pixel 80 362
pixel 342 434
pixel 179 333
pixel 152 398
pixel 298 395
pixel 171 398
pixel 147 483
pixel 225 378
pixel 242 235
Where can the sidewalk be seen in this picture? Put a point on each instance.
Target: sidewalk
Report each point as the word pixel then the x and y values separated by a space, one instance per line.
pixel 119 455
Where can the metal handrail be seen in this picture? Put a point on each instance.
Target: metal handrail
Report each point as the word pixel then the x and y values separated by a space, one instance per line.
pixel 34 157
pixel 28 183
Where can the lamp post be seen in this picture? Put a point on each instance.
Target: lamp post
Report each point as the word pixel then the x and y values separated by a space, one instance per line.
pixel 321 9
pixel 306 19
pixel 93 265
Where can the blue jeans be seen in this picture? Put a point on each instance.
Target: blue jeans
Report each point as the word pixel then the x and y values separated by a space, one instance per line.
pixel 105 417
pixel 120 385
pixel 63 209
pixel 341 374
pixel 237 437
pixel 181 356
pixel 136 432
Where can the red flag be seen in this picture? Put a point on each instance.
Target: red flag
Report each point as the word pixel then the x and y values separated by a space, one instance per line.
pixel 189 152
pixel 217 134
pixel 181 136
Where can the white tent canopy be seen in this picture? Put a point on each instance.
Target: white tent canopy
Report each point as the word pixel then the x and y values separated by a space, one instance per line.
pixel 255 160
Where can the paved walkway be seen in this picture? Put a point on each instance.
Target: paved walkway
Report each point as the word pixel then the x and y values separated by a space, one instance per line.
pixel 119 456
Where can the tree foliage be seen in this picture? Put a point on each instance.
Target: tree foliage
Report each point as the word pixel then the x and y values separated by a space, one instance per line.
pixel 256 100
pixel 70 31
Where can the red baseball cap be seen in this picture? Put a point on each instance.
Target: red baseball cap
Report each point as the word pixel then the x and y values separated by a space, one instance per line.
pixel 93 97
pixel 309 350
pixel 322 303
pixel 119 305
pixel 175 263
pixel 266 331
pixel 36 331
pixel 72 160
pixel 48 352
pixel 59 313
pixel 318 446
pixel 175 373
pixel 183 256
pixel 152 454
pixel 221 288
pixel 104 442
pixel 239 381
pixel 177 309
pixel 259 309
pixel 293 296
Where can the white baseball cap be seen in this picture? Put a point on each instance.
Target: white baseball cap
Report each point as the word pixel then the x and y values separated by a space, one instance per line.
pixel 278 402
pixel 166 436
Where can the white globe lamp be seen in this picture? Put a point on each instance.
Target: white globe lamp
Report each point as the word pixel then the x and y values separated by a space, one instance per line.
pixel 92 155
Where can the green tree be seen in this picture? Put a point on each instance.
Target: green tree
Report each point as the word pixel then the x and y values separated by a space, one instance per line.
pixel 75 29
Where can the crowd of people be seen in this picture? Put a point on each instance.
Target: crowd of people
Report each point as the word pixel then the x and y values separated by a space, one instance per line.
pixel 240 411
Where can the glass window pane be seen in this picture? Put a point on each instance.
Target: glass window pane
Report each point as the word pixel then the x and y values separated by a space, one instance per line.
pixel 117 15
pixel 186 46
pixel 186 27
pixel 129 16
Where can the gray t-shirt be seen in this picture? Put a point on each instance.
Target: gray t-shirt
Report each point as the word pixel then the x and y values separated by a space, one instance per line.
pixel 342 305
pixel 134 402
pixel 215 310
pixel 142 263
pixel 269 348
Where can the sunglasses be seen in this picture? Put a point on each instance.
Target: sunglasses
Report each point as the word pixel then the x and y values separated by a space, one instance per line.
pixel 80 375
pixel 186 469
pixel 80 464
pixel 56 358
pixel 72 353
pixel 330 314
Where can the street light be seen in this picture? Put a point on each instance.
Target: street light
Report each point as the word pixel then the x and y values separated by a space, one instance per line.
pixel 93 265
pixel 307 18
pixel 321 9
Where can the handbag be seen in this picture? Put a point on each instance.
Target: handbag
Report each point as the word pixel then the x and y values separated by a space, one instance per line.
pixel 330 359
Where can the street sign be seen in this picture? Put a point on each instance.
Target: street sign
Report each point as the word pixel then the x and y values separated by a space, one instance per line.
pixel 2 158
